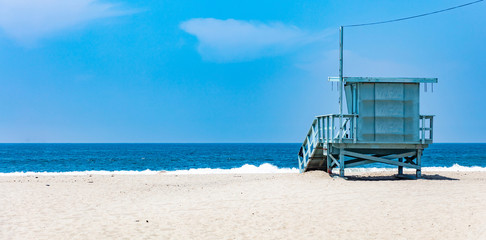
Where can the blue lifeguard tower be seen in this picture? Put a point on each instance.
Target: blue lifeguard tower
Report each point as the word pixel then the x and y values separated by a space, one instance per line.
pixel 382 125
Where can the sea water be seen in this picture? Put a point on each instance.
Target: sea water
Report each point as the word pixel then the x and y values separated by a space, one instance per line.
pixel 151 158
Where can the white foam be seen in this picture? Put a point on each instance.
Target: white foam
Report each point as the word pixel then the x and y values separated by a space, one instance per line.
pixel 245 169
pixel 455 168
pixel 80 173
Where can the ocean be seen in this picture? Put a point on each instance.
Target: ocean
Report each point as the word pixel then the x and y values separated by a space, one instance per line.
pixel 200 158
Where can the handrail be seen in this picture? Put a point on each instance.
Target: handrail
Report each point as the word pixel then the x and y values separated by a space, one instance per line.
pixel 323 130
pixel 346 131
pixel 337 115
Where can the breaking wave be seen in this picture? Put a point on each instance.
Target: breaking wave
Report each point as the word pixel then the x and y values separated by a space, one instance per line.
pixel 245 169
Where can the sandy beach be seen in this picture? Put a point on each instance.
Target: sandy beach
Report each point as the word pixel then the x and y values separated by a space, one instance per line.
pixel 443 205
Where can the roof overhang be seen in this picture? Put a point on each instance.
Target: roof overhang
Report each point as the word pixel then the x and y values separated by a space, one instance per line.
pixel 385 79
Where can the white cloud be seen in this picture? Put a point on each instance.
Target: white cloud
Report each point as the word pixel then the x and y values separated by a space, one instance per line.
pixel 237 40
pixel 27 21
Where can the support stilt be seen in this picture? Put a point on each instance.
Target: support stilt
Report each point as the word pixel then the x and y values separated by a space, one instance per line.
pixel 341 162
pixel 419 163
pixel 400 168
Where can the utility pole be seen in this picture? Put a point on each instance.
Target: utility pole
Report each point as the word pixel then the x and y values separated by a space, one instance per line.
pixel 341 83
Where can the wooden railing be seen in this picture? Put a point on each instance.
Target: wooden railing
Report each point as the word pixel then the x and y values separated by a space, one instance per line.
pixel 325 129
pixel 426 128
pixel 330 131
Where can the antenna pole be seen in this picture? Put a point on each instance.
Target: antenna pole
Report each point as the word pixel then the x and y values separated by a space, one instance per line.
pixel 341 83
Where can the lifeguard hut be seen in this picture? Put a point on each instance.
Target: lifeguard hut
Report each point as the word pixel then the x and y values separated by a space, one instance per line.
pixel 382 125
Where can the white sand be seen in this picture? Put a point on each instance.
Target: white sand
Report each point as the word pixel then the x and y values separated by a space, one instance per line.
pixel 244 206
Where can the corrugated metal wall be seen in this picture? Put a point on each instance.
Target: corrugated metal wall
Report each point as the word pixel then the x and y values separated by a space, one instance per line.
pixel 388 112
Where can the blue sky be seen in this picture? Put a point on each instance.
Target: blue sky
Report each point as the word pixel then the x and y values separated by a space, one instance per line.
pixel 224 71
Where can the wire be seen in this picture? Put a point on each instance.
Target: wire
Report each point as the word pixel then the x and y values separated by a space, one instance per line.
pixel 416 16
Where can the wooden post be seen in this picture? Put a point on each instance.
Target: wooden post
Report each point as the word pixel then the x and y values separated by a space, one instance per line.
pixel 341 83
pixel 341 162
pixel 327 130
pixel 431 133
pixel 400 168
pixel 332 128
pixel 423 129
pixel 328 158
pixel 419 163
